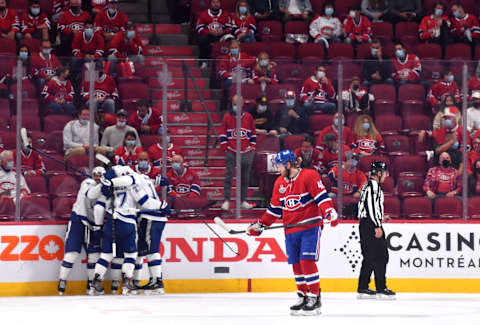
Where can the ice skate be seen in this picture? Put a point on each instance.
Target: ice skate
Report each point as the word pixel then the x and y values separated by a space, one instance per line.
pixel 62 285
pixel 366 294
pixel 296 310
pixel 386 294
pixel 90 289
pixel 97 285
pixel 128 287
pixel 115 286
pixel 312 306
pixel 154 287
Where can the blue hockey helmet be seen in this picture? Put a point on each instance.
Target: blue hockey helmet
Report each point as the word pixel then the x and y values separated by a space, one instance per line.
pixel 285 155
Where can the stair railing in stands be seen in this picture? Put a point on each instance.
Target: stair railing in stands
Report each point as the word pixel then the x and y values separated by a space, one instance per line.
pixel 186 106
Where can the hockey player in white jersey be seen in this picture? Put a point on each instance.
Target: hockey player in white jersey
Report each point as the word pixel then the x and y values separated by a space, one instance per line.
pixel 82 230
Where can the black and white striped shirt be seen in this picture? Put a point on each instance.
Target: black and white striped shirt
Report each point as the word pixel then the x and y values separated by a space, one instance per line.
pixel 371 202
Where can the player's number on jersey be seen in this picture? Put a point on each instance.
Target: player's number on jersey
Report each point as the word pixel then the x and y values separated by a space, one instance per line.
pixel 123 196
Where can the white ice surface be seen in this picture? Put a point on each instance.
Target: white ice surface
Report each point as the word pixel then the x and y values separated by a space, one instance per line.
pixel 239 308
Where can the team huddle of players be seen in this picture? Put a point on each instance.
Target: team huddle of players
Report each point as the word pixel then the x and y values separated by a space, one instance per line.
pixel 119 219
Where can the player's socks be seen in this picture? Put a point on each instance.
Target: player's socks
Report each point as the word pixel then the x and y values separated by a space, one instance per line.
pixel 116 273
pixel 92 260
pixel 310 271
pixel 129 264
pixel 155 265
pixel 299 278
pixel 67 264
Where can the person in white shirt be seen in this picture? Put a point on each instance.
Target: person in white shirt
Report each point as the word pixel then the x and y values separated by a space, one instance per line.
pixel 8 177
pixel 473 113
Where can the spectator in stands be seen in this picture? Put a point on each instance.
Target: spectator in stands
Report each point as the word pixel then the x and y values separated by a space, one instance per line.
pixel 35 23
pixel 436 27
pixel 447 110
pixel 473 155
pixel 146 120
pixel 264 71
pixel 213 25
pixel 473 113
pixel 244 25
pixel 295 9
pixel 356 98
pixel 113 135
pixel 464 26
pixel 263 117
pixel 126 45
pixel 58 8
pixel 23 53
pixel 71 22
pixel 105 90
pixel 8 177
pixel 76 136
pixel 347 135
pixel 184 181
pixel 405 10
pixel 441 88
pixel 318 93
pixel 144 166
pixel 407 67
pixel 32 163
pixel 156 151
pixel 44 65
pixel 111 21
pixel 229 146
pixel 58 93
pixel 474 180
pixel 368 140
pixel 377 68
pixel 353 178
pixel 128 153
pixel 9 21
pixel 474 81
pixel 443 180
pixel 330 153
pixel 291 118
pixel 326 28
pixel 104 120
pixel 375 10
pixel 357 28
pixel 307 155
pixel 88 45
pixel 263 10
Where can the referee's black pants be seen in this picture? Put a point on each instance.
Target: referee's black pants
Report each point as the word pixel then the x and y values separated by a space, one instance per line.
pixel 375 256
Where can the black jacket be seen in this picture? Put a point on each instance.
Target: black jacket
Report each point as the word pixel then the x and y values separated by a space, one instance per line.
pixel 372 65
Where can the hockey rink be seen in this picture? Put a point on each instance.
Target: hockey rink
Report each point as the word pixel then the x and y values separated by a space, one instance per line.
pixel 240 308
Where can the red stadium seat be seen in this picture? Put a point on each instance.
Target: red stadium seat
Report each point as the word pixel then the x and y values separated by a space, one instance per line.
pixel 63 185
pixel 30 122
pixel 385 98
pixel 388 124
pixel 429 51
pixel 295 27
pixel 35 209
pixel 7 209
pixel 392 207
pixel 406 30
pixel 447 208
pixel 54 122
pixel 21 5
pixel 8 140
pixel 417 208
pixel 317 5
pixel 412 99
pixel 432 70
pixel 342 7
pixel 148 140
pixel 458 51
pixel 417 122
pixel 250 92
pixel 37 184
pixel 53 167
pixel 276 93
pixel 474 207
pixel 366 161
pixel 477 52
pixel 280 50
pixel 338 51
pixel 290 73
pixel 409 165
pixel 363 51
pixel 270 30
pixel 219 49
pixel 267 143
pixel 253 48
pixel 410 186
pixel 397 145
pixel 30 106
pixel 382 30
pixel 8 46
pixel 388 186
pixel 133 90
pixel 51 142
pixel 293 141
pixel 33 44
pixel 62 207
pixel 318 122
pixel 310 51
pixel 28 90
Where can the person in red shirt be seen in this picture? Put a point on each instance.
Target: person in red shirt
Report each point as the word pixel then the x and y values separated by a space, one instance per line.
pixel 88 45
pixel 144 166
pixel 23 53
pixel 105 90
pixel 146 120
pixel 473 83
pixel 156 152
pixel 244 25
pixel 127 155
pixel 308 156
pixel 436 27
pixel 473 155
pixel 184 182
pixel 358 28
pixel 44 65
pixel 443 180
pixel 407 67
pixel 330 153
pixel 9 21
pixel 98 6
pixel 126 44
pixel 440 89
pixel 58 94
pixel 464 26
pixel 35 23
pixel 71 22
pixel 317 92
pixel 264 71
pixel 474 179
pixel 111 21
pixel 347 135
pixel 32 163
pixel 353 178
pixel 368 140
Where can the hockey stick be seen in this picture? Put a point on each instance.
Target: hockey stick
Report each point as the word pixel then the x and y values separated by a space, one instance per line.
pixel 222 224
pixel 220 237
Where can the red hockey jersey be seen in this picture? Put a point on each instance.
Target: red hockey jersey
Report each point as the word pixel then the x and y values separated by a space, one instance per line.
pixel 459 25
pixel 151 172
pixel 429 24
pixel 243 24
pixel 363 28
pixel 347 136
pixel 229 64
pixel 94 46
pixel 32 161
pixel 44 66
pixel 352 182
pixel 228 134
pixel 105 88
pixel 9 21
pixel 58 89
pixel 122 47
pixel 440 134
pixel 126 158
pixel 330 159
pixel 70 22
pixel 153 119
pixel 301 199
pixel 155 152
pixel 207 22
pixel 440 89
pixel 185 185
pixel 29 23
pixel 312 161
pixel 411 68
pixel 107 24
pixel 60 6
pixel 321 92
pixel 369 145
pixel 473 84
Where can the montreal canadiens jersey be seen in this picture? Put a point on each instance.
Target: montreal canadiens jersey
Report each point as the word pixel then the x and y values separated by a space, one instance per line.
pixel 301 199
pixel 185 185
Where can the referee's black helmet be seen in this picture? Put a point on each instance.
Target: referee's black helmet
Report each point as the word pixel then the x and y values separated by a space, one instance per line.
pixel 377 166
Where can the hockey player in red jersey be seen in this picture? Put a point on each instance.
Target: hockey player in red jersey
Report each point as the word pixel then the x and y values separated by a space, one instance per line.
pixel 111 20
pixel 184 182
pixel 407 66
pixel 299 197
pixel 34 22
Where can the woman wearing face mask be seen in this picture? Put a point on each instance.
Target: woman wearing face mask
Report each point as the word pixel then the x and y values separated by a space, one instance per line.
pixel 127 155
pixel 263 117
pixel 35 23
pixel 443 180
pixel 464 26
pixel 368 140
pixel 264 71
pixel 23 54
pixel 436 27
pixel 441 88
pixel 326 28
pixel 407 67
pixel 244 25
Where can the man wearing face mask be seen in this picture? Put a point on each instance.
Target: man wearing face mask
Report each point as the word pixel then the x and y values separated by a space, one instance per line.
pixel 88 45
pixel 358 28
pixel 353 179
pixel 347 136
pixel 35 24
pixel 128 153
pixel 441 88
pixel 330 153
pixel 105 90
pixel 263 117
pixel 357 99
pixel 464 26
pixel 405 10
pixel 58 93
pixel 443 180
pixel 126 44
pixel 156 151
pixel 113 135
pixel 326 28
pixel 32 163
pixel 407 67
pixel 291 118
pixel 377 68
pixel 146 120
pixel 144 166
pixel 9 21
pixel 473 113
pixel 317 92
pixel 44 64
pixel 72 22
pixel 8 177
pixel 184 182
pixel 436 27
pixel 111 20
pixel 309 157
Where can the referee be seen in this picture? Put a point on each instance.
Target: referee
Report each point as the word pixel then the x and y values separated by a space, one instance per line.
pixel 372 236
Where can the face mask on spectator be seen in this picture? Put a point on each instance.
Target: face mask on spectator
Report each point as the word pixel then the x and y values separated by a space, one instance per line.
pixel 374 52
pixel 445 163
pixel 143 164
pixel 320 74
pixel 23 55
pixel 75 9
pixel 290 102
pixel 262 108
pixel 130 143
pixel 215 10
pixel 353 163
pixel 121 124
pixel 234 51
pixel 399 53
pixel 352 13
pixel 242 10
pixel 112 11
pixel 83 122
pixel 35 11
pixel 448 123
pixel 47 51
pixel 438 12
pixel 355 87
pixel 457 14
pixel 263 62
pixel 89 32
pixel 130 34
pixel 9 165
pixel 450 78
pixel 176 166
pixel 455 145
pixel 329 11
pixel 335 121
pixel 234 108
pixel 366 126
